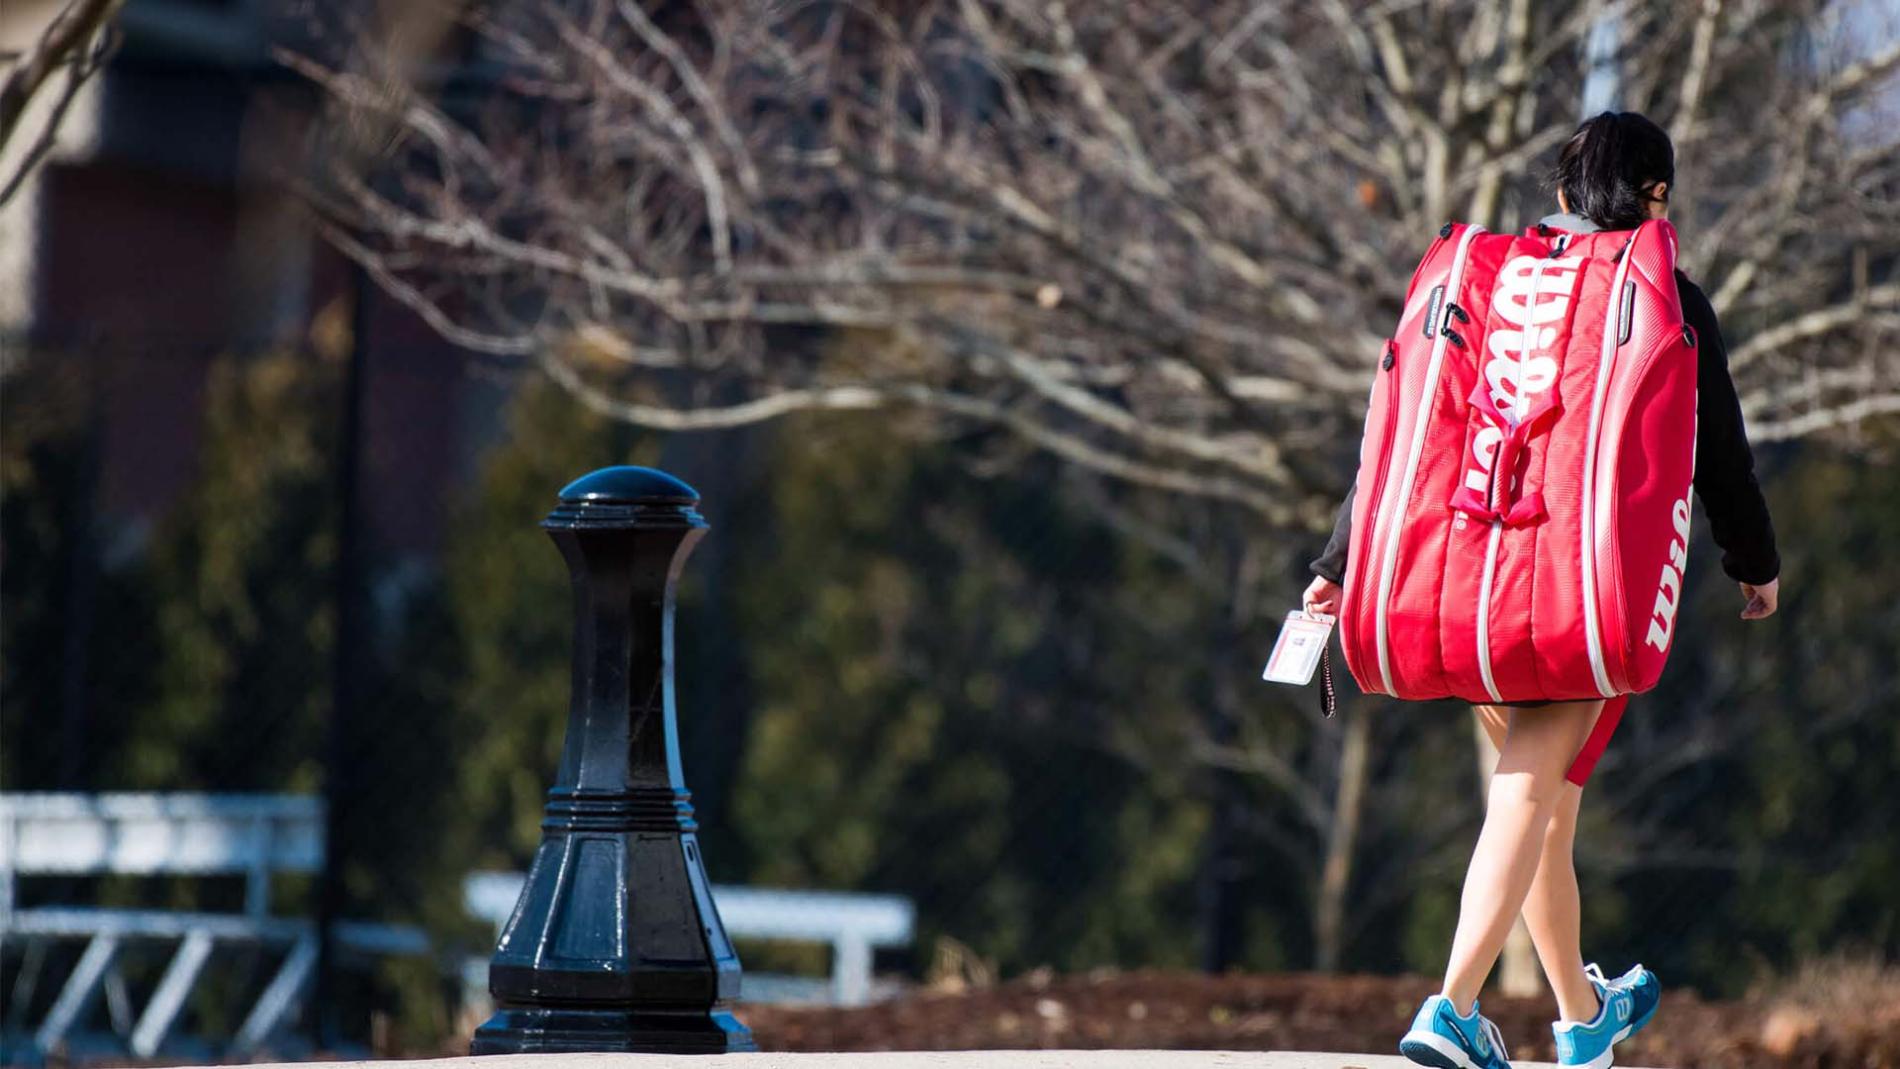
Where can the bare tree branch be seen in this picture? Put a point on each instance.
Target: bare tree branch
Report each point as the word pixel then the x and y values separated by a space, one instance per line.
pixel 77 42
pixel 1160 243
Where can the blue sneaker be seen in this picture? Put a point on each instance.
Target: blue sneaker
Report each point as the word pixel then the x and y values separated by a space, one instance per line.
pixel 1626 1005
pixel 1442 1039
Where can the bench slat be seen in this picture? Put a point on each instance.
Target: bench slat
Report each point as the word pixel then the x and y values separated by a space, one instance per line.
pixel 169 997
pixel 278 998
pixel 70 922
pixel 146 834
pixel 79 989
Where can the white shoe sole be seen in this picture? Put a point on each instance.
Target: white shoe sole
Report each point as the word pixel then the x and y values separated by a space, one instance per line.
pixel 1607 1058
pixel 1453 1054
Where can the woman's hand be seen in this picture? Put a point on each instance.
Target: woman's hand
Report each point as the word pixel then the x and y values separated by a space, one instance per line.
pixel 1762 599
pixel 1322 596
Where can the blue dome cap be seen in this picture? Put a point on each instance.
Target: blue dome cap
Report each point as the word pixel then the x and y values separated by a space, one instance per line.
pixel 625 483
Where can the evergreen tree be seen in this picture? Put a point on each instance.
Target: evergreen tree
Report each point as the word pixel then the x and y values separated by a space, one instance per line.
pixel 240 580
pixel 948 682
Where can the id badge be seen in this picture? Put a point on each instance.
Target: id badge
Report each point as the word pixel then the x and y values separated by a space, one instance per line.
pixel 1296 653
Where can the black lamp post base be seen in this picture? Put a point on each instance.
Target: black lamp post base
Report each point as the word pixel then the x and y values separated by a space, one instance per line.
pixel 536 1030
pixel 615 943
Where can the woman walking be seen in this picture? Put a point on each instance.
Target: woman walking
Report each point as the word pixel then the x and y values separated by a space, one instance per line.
pixel 1613 174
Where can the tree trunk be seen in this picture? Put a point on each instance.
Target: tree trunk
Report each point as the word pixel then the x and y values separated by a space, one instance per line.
pixel 1329 913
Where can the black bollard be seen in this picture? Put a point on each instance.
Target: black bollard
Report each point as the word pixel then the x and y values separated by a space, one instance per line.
pixel 615 944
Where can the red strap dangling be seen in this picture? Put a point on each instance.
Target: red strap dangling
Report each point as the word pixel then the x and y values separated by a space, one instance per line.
pixel 1599 739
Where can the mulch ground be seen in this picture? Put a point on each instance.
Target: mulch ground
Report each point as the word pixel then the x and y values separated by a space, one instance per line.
pixel 1352 1014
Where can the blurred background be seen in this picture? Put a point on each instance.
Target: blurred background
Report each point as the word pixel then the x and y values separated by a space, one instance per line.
pixel 1018 354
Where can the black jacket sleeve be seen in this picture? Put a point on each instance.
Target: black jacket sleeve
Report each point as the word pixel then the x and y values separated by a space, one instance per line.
pixel 1724 473
pixel 1332 563
pixel 1725 467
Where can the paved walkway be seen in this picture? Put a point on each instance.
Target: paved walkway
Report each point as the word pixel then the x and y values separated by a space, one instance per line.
pixel 975 1059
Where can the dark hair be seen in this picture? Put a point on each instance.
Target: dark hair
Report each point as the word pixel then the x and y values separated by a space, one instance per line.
pixel 1608 164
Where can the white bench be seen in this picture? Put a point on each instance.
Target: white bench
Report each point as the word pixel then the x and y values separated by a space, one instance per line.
pixel 252 836
pixel 854 925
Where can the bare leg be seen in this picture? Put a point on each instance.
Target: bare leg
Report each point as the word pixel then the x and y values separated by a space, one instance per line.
pixel 1553 911
pixel 1539 745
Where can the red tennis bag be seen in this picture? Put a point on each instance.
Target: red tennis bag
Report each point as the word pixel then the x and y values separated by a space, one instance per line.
pixel 1522 516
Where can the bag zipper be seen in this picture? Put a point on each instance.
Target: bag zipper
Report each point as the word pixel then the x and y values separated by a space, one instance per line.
pixel 1613 315
pixel 1361 551
pixel 1389 560
pixel 1497 526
